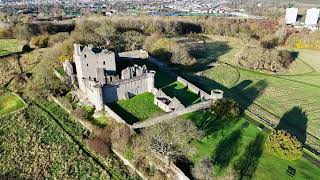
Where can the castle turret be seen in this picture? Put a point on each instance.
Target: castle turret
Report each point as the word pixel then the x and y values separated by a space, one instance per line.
pixel 151 76
pixel 97 99
pixel 216 94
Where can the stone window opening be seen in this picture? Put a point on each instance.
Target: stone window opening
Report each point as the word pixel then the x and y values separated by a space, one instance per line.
pixel 104 63
pixel 95 79
pixel 85 56
pixel 87 64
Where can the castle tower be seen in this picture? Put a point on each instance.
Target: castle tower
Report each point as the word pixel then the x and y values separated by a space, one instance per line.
pixel 216 94
pixel 96 97
pixel 151 76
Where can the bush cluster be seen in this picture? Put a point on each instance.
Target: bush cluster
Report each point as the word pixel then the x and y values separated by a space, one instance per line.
pixel 259 58
pixel 282 144
pixel 168 50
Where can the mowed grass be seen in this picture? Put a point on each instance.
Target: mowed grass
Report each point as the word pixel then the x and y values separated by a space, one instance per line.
pixel 270 95
pixel 218 133
pixel 137 108
pixel 218 75
pixel 8 46
pixel 181 92
pixel 279 95
pixel 174 88
pixel 10 102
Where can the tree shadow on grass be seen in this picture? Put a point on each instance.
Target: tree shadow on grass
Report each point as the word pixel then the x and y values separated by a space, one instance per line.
pixel 227 149
pixel 295 122
pixel 247 164
pixel 214 124
pixel 210 54
pixel 245 95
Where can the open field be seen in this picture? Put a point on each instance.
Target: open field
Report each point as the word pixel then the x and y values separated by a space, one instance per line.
pixel 137 108
pixel 10 102
pixel 293 98
pixel 34 146
pixel 227 138
pixel 8 46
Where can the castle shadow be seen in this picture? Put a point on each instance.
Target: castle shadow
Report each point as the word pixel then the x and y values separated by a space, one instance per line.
pixel 295 122
pixel 183 94
pixel 128 117
pixel 227 149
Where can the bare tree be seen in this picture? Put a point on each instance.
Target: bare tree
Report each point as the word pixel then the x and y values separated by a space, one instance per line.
pixel 171 139
pixel 203 170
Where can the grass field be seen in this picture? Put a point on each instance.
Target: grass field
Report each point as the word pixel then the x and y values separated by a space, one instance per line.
pixel 228 139
pixel 8 46
pixel 274 97
pixel 33 146
pixel 174 88
pixel 137 108
pixel 10 102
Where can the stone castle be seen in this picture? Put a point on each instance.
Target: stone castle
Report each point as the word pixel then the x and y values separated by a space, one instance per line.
pixel 99 79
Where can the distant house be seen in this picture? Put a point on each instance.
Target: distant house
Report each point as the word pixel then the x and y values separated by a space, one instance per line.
pixel 312 17
pixel 291 16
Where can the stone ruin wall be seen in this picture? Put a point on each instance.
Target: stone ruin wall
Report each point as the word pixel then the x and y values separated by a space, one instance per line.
pixel 125 89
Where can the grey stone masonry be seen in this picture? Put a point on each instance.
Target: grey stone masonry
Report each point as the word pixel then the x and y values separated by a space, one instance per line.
pixel 97 76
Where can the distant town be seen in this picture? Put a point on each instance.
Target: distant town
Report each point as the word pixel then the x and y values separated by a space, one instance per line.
pixel 73 8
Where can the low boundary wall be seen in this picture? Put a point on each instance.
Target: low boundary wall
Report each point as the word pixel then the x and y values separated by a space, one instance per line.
pixel 115 115
pixel 194 88
pixel 174 114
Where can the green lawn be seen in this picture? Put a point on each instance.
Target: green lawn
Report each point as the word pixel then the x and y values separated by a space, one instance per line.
pixel 137 108
pixel 10 102
pixel 8 46
pixel 227 139
pixel 181 92
pixel 275 97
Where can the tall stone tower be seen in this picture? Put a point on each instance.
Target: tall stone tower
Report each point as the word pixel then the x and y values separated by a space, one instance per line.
pixel 89 61
pixel 151 76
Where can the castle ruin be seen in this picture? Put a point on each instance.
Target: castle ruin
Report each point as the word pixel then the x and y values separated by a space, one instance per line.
pixel 96 73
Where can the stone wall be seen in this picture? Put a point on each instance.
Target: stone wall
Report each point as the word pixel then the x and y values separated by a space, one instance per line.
pixel 88 62
pixel 126 88
pixel 136 54
pixel 174 114
pixel 115 115
pixel 194 88
pixel 58 75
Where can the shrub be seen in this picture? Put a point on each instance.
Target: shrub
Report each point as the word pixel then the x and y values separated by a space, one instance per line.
pixel 259 58
pixel 6 33
pixel 168 50
pixel 304 40
pixel 226 108
pixel 41 41
pixel 284 145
